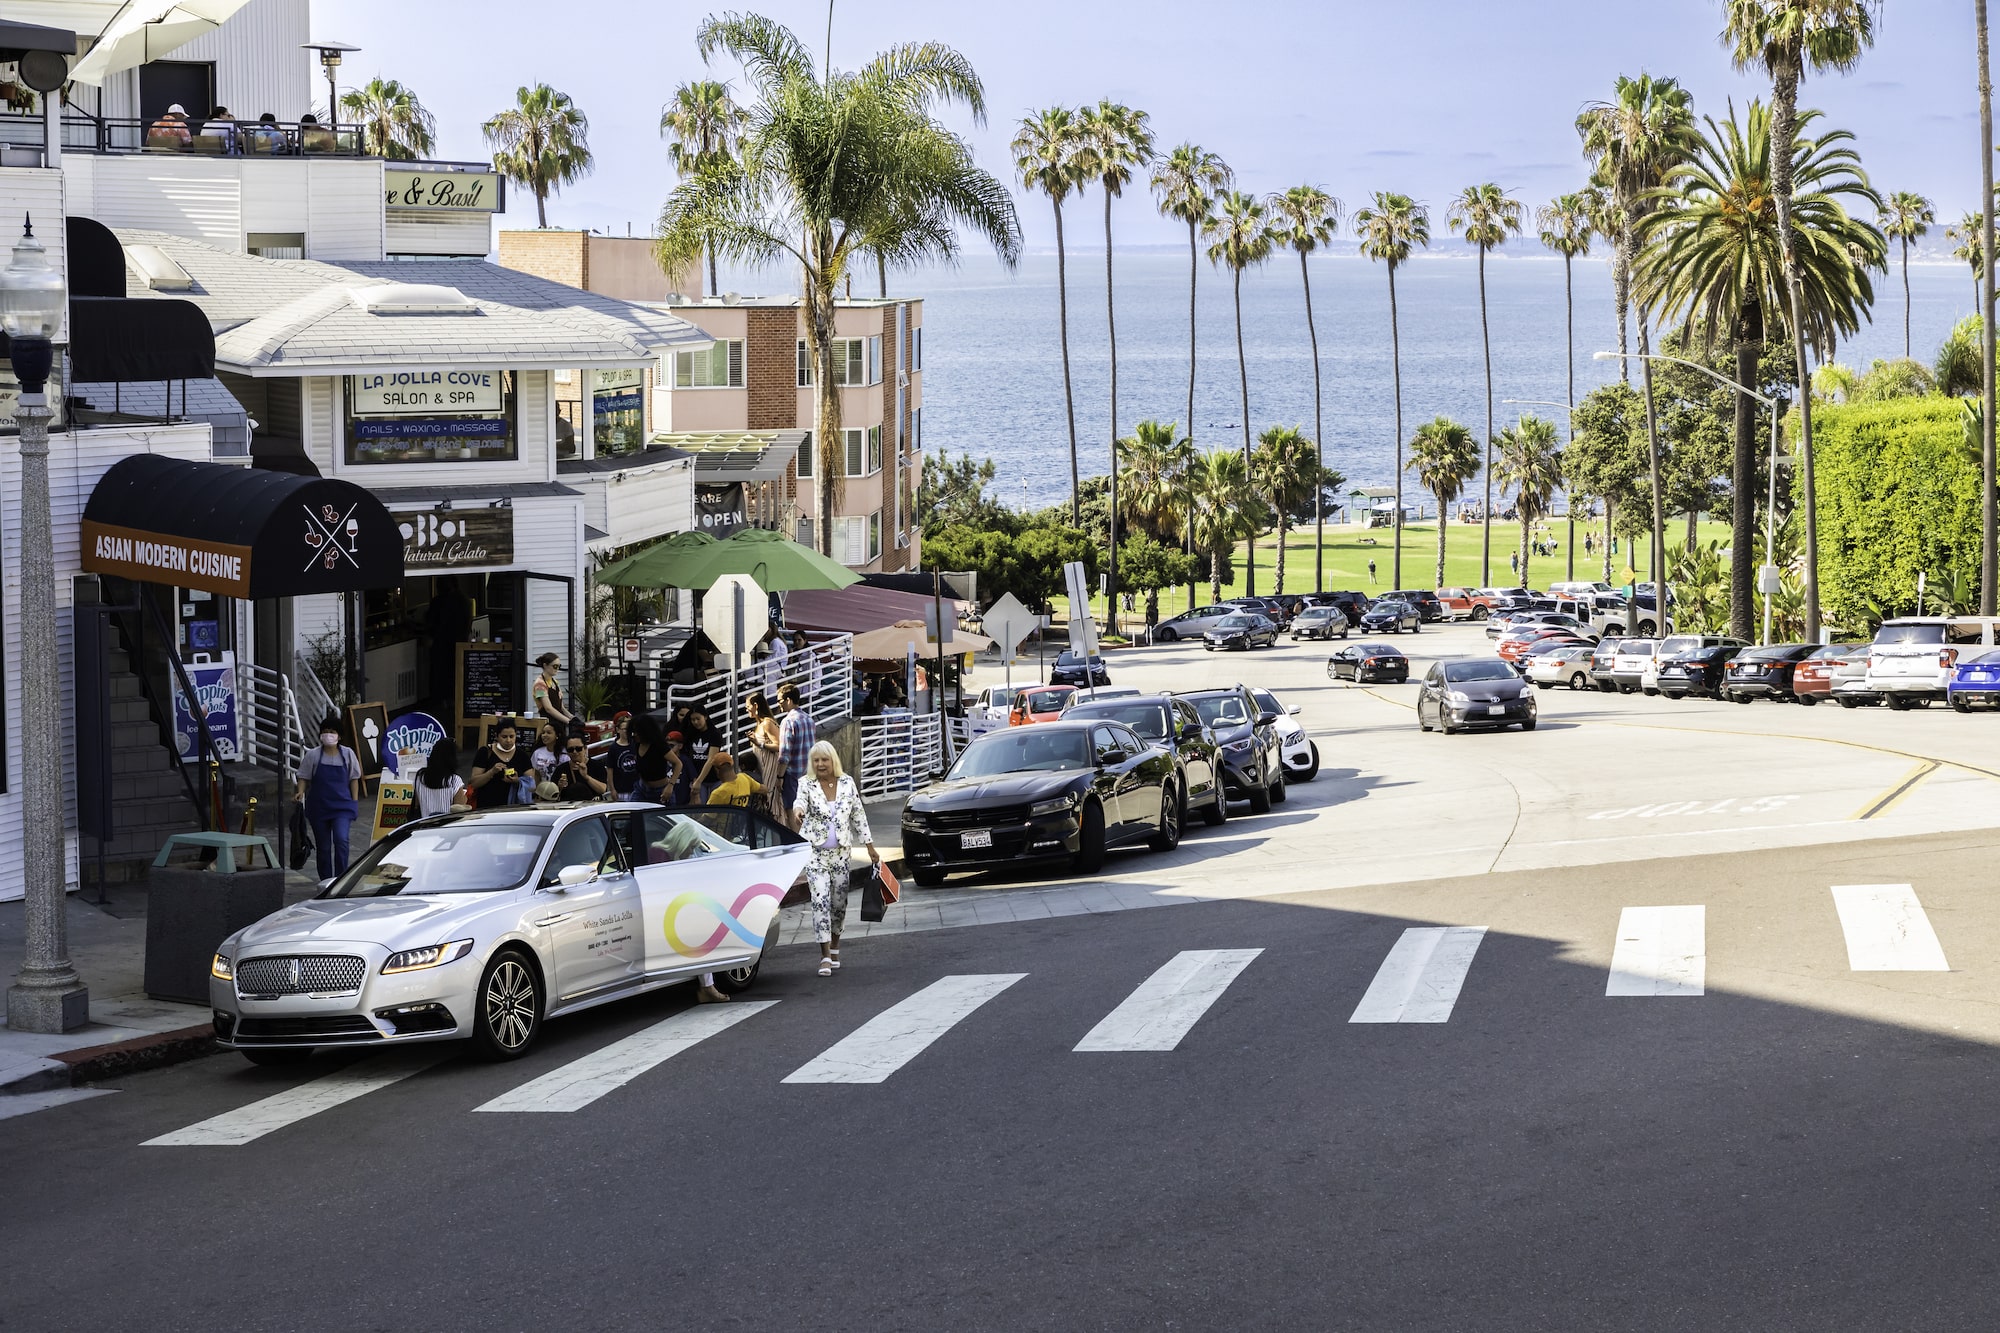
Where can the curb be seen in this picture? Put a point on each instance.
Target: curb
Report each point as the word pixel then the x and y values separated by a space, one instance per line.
pixel 90 1064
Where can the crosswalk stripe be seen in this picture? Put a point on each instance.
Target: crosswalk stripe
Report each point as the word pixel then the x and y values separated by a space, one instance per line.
pixel 1660 951
pixel 1887 930
pixel 582 1081
pixel 1419 981
pixel 900 1033
pixel 233 1129
pixel 1159 1013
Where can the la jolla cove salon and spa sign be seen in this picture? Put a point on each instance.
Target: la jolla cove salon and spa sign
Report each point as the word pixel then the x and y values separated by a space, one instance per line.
pixel 444 191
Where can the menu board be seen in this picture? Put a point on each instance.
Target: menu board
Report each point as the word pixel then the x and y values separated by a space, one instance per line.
pixel 486 674
pixel 395 805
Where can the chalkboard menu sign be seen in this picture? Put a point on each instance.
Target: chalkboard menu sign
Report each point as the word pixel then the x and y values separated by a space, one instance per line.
pixel 395 805
pixel 486 676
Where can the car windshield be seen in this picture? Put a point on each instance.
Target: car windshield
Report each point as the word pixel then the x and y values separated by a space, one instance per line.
pixel 1988 659
pixel 1223 710
pixel 1386 607
pixel 1834 651
pixel 1071 659
pixel 1893 633
pixel 1681 643
pixel 456 856
pixel 1046 701
pixel 1033 750
pixel 1634 647
pixel 1477 670
pixel 1149 720
pixel 1378 650
pixel 1235 622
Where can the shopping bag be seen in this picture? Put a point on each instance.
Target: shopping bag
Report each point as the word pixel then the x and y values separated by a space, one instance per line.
pixel 302 843
pixel 892 889
pixel 872 906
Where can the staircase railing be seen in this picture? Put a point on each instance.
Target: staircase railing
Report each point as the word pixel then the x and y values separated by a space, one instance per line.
pixel 203 779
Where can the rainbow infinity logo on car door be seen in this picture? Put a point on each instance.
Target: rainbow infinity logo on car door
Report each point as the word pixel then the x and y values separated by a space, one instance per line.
pixel 728 921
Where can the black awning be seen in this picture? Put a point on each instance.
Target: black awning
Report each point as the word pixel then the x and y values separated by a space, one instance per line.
pixel 16 38
pixel 115 340
pixel 96 258
pixel 243 532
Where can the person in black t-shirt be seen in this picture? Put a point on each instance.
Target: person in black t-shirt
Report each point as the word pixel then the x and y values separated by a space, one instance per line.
pixel 497 768
pixel 579 777
pixel 698 742
pixel 657 761
pixel 623 759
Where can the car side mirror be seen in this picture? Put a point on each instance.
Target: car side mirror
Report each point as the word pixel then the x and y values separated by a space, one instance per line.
pixel 570 877
pixel 1296 709
pixel 1266 718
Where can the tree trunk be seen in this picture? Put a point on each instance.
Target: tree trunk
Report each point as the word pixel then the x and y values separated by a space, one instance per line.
pixel 1111 325
pixel 1525 549
pixel 1069 396
pixel 882 275
pixel 541 206
pixel 1621 293
pixel 713 281
pixel 1278 578
pixel 1442 500
pixel 1604 545
pixel 1569 361
pixel 1486 519
pixel 1396 375
pixel 819 308
pixel 1989 512
pixel 1784 131
pixel 1194 275
pixel 1215 557
pixel 1243 381
pixel 1319 442
pixel 1658 556
pixel 1742 478
pixel 1906 298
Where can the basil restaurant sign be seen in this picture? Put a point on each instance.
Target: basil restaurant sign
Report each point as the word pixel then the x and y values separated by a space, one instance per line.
pixel 444 191
pixel 437 540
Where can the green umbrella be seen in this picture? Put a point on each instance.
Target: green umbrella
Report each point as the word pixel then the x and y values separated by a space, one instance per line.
pixel 775 561
pixel 679 561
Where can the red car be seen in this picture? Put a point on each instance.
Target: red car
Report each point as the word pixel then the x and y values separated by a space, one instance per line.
pixel 1039 703
pixel 1519 641
pixel 1812 679
pixel 1466 603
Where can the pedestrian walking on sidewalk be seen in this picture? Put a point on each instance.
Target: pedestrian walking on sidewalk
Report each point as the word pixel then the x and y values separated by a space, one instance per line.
pixel 831 817
pixel 797 734
pixel 1371 569
pixel 330 790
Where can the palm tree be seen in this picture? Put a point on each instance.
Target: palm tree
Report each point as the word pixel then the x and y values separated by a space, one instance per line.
pixel 1634 140
pixel 1305 218
pixel 1567 224
pixel 1444 456
pixel 540 142
pixel 1045 155
pixel 1286 470
pixel 825 158
pixel 1116 142
pixel 1906 217
pixel 1240 236
pixel 1186 182
pixel 1968 250
pixel 1389 229
pixel 1530 462
pixel 1488 217
pixel 706 127
pixel 1156 458
pixel 1226 509
pixel 393 122
pixel 1715 257
pixel 1788 37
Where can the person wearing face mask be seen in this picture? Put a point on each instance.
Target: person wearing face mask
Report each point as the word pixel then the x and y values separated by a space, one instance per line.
pixel 329 788
pixel 497 768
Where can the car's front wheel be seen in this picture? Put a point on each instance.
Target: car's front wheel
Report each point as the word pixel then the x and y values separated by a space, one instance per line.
pixel 1166 635
pixel 1578 681
pixel 1480 613
pixel 1278 792
pixel 1089 857
pixel 1169 835
pixel 1309 770
pixel 509 1012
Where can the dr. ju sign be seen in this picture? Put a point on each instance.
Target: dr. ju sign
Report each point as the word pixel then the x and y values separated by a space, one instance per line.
pixel 215 688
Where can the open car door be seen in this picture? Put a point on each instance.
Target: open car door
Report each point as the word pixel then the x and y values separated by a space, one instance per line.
pixel 710 880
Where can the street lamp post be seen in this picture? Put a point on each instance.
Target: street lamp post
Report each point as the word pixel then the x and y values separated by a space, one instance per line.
pixel 47 994
pixel 1767 573
pixel 1569 500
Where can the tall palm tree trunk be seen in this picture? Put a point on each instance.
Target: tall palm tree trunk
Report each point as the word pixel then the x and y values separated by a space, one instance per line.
pixel 1243 381
pixel 1906 298
pixel 1569 362
pixel 1319 447
pixel 1194 276
pixel 1526 550
pixel 1658 556
pixel 1784 134
pixel 1069 395
pixel 882 275
pixel 1743 473
pixel 1621 293
pixel 1989 519
pixel 713 281
pixel 1604 546
pixel 1442 500
pixel 1486 519
pixel 1111 323
pixel 1396 376
pixel 818 290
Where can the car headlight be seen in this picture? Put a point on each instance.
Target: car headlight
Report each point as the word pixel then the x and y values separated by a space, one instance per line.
pixel 1237 747
pixel 1459 697
pixel 220 969
pixel 434 955
pixel 1526 693
pixel 1060 806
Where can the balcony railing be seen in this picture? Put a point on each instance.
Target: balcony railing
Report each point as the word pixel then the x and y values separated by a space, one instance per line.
pixel 23 133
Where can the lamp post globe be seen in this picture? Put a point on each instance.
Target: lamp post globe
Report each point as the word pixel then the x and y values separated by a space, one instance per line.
pixel 47 995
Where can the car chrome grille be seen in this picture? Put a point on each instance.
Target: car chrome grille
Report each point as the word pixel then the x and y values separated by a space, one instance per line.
pixel 325 1030
pixel 305 974
pixel 981 818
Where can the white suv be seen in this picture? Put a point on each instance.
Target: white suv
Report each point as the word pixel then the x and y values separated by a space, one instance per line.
pixel 1912 659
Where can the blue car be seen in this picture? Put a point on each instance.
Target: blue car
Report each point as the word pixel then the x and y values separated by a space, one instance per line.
pixel 1976 681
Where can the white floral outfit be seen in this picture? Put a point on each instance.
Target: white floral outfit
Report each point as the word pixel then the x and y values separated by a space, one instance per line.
pixel 844 821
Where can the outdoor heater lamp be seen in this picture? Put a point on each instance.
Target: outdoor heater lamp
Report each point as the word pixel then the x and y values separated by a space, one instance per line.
pixel 32 299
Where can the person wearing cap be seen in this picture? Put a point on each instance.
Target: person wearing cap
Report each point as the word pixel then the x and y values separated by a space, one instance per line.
pixel 172 122
pixel 731 787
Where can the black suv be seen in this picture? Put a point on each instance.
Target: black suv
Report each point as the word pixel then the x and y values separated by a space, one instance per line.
pixel 1426 601
pixel 1252 768
pixel 1170 721
pixel 1355 604
pixel 1069 670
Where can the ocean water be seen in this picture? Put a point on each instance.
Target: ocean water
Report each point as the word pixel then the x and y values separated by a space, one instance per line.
pixel 993 382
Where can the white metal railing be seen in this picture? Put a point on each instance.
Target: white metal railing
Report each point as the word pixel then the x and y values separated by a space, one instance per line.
pixel 274 736
pixel 899 752
pixel 312 699
pixel 823 671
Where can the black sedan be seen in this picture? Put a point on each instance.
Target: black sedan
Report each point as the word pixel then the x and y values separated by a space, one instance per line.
pixel 1253 763
pixel 1164 720
pixel 1393 617
pixel 1458 696
pixel 1364 662
pixel 1070 669
pixel 1698 673
pixel 1764 673
pixel 1245 631
pixel 1057 791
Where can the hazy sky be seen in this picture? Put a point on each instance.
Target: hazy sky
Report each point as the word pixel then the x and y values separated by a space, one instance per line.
pixel 1421 96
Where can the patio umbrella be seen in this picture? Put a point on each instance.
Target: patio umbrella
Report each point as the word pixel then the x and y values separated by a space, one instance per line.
pixel 145 30
pixel 678 561
pixel 892 643
pixel 778 563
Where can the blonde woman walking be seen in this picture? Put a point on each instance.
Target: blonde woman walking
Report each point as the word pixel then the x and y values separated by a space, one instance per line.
pixel 831 818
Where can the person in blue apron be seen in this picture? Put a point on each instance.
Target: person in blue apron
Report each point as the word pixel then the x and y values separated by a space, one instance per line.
pixel 330 791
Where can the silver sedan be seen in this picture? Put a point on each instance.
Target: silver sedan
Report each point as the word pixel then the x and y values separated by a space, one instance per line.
pixel 483 925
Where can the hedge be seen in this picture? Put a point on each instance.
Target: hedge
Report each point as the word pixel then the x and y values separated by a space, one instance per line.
pixel 1897 498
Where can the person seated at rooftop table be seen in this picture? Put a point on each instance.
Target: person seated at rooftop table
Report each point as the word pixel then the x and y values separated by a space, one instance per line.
pixel 266 137
pixel 221 125
pixel 170 130
pixel 315 137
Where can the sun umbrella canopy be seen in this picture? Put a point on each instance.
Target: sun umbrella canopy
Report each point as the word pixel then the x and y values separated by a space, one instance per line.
pixel 676 562
pixel 892 643
pixel 778 563
pixel 146 30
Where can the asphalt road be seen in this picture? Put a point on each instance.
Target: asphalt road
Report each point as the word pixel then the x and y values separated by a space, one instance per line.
pixel 1666 1016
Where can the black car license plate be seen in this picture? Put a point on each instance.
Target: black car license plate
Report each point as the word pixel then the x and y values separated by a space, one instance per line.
pixel 976 838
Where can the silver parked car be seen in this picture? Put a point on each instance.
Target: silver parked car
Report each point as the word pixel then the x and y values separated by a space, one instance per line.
pixel 1193 624
pixel 484 924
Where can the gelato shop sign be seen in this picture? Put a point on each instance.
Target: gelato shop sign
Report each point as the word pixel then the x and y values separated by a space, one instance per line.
pixel 395 393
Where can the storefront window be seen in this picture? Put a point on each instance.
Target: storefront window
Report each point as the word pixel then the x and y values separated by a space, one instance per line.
pixel 618 414
pixel 441 415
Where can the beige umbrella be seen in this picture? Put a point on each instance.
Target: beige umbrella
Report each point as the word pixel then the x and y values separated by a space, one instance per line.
pixel 145 30
pixel 892 643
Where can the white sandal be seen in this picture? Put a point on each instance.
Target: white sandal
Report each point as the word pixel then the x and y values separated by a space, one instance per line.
pixel 834 958
pixel 825 968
